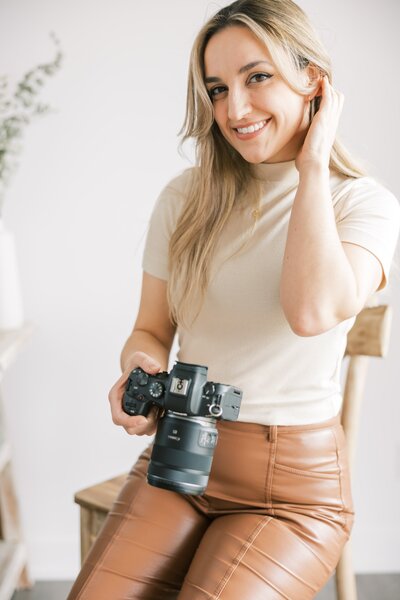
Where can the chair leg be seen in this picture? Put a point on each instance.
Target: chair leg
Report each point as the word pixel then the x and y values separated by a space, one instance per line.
pixel 25 581
pixel 86 526
pixel 345 578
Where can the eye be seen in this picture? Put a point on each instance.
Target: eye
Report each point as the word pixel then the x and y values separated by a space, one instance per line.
pixel 219 89
pixel 265 75
pixel 214 91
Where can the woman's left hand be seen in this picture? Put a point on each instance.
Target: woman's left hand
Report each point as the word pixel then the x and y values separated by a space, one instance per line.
pixel 317 146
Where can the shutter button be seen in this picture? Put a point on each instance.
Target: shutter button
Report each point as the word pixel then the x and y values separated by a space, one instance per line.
pixel 142 379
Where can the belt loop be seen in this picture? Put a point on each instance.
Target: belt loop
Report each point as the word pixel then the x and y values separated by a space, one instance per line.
pixel 272 433
pixel 269 433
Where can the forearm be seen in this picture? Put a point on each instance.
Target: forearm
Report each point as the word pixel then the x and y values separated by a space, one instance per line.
pixel 318 287
pixel 144 341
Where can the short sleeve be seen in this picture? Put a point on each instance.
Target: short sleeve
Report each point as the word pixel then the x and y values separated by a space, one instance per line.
pixel 162 224
pixel 369 215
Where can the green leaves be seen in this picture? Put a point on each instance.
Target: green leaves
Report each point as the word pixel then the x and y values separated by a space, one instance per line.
pixel 18 109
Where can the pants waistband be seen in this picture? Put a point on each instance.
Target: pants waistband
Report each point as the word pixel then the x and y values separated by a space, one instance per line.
pixel 245 427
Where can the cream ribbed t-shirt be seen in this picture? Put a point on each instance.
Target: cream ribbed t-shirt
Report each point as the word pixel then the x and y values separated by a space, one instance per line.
pixel 241 333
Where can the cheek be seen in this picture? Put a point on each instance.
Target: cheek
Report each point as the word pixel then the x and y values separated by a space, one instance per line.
pixel 219 114
pixel 220 119
pixel 295 114
pixel 220 124
pixel 287 106
pixel 303 116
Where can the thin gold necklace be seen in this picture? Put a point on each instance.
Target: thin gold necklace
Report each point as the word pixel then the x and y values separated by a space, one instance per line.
pixel 255 214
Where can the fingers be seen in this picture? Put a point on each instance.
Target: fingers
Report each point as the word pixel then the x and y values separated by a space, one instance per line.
pixel 138 424
pixel 134 425
pixel 139 359
pixel 332 96
pixel 147 363
pixel 323 124
pixel 144 426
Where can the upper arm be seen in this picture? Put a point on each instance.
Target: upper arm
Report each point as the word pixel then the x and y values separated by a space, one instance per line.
pixel 368 222
pixel 367 271
pixel 368 274
pixel 153 314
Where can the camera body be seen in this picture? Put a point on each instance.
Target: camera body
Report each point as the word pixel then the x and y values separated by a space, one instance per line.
pixel 186 434
pixel 184 390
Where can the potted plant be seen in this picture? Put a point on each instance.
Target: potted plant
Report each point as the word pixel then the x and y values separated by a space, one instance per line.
pixel 16 111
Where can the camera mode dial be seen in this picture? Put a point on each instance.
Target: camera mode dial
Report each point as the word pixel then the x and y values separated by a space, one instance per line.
pixel 156 389
pixel 142 379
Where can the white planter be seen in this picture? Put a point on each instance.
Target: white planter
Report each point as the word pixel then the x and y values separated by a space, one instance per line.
pixel 11 311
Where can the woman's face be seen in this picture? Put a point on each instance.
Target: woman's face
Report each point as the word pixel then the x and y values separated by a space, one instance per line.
pixel 245 94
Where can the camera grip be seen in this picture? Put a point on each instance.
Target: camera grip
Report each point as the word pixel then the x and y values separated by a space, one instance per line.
pixel 136 406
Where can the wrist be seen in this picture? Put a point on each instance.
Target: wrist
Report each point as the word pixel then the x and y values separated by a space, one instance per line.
pixel 128 362
pixel 314 168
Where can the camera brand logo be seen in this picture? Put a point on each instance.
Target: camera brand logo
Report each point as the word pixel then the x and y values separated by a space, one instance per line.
pixel 174 436
pixel 208 439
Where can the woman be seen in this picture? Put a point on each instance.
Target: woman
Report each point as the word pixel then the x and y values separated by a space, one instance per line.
pixel 259 257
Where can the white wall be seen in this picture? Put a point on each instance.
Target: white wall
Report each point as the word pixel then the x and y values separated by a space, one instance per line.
pixel 79 205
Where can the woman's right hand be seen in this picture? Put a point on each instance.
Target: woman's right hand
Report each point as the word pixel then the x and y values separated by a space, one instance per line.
pixel 134 425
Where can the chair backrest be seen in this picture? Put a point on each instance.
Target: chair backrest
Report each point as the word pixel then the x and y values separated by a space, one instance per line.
pixel 369 336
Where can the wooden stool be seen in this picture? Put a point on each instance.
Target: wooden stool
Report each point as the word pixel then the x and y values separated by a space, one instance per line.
pixel 369 336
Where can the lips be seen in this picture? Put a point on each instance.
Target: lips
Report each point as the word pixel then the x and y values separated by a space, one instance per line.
pixel 250 135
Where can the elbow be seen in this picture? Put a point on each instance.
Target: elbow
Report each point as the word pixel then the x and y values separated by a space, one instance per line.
pixel 305 324
pixel 310 326
pixel 307 321
pixel 305 327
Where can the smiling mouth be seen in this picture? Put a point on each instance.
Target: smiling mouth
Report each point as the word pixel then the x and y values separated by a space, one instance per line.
pixel 252 130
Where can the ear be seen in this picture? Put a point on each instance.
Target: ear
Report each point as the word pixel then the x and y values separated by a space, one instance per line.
pixel 313 78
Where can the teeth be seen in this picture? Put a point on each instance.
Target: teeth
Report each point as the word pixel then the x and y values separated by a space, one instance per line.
pixel 252 128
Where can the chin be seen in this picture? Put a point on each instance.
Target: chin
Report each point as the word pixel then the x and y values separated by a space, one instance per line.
pixel 255 158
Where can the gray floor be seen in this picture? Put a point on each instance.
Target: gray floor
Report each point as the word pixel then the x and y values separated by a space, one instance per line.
pixel 369 587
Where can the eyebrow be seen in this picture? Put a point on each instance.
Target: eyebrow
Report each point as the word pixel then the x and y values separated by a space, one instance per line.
pixel 241 70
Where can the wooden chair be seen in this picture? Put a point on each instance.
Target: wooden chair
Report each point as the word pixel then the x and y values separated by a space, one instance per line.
pixel 369 336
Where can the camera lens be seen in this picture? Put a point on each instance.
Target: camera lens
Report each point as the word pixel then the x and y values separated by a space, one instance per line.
pixel 182 453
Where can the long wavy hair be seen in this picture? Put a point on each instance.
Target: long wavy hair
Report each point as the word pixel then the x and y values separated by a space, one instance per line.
pixel 221 178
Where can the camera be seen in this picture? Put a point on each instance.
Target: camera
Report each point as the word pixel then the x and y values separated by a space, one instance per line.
pixel 187 433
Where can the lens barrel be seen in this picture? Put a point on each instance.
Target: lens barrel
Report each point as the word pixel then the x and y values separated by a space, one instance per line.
pixel 182 453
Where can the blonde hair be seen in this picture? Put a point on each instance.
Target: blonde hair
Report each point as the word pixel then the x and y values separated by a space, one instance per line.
pixel 221 175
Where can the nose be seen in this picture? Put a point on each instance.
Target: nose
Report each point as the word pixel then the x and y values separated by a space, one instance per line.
pixel 238 105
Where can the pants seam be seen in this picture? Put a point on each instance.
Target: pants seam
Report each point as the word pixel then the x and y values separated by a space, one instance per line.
pixel 340 478
pixel 101 558
pixel 273 440
pixel 239 556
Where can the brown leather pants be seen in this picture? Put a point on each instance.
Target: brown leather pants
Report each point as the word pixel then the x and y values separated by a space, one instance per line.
pixel 271 525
